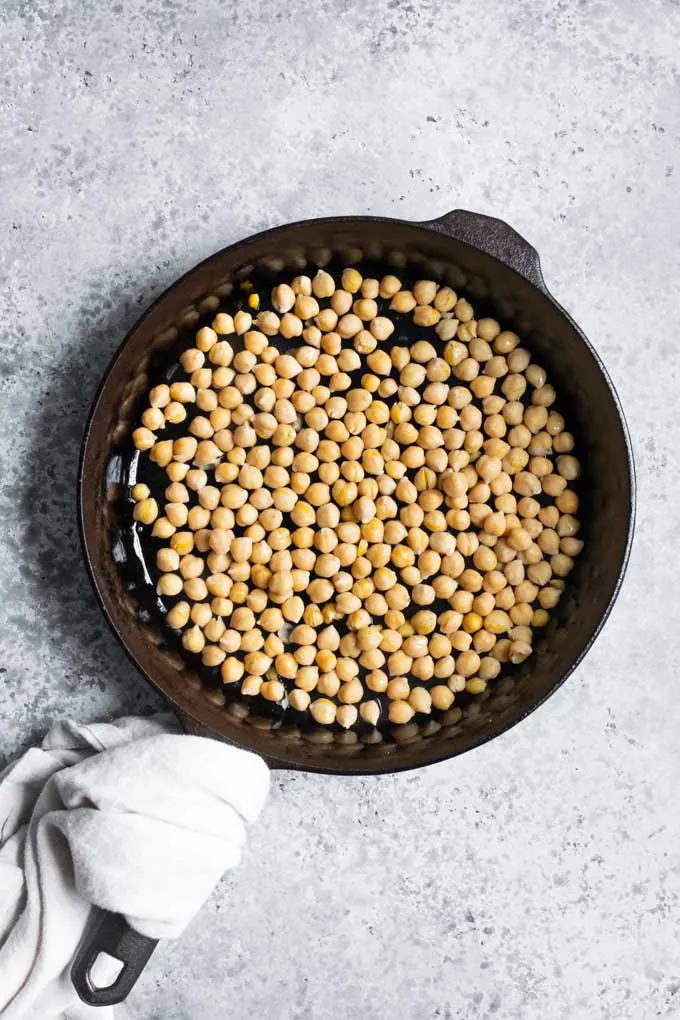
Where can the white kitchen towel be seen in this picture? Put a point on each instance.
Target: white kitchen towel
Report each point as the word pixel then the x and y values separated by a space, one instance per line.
pixel 134 817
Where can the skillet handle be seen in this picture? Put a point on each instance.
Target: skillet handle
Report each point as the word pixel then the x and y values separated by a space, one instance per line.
pixel 496 238
pixel 111 934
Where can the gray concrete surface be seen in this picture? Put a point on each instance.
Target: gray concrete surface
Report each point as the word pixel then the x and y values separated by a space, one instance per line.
pixel 537 878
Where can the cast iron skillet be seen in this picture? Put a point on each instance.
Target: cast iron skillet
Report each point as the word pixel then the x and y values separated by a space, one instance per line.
pixel 500 271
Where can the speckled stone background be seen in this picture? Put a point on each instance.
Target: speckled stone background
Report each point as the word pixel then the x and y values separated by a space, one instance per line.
pixel 537 878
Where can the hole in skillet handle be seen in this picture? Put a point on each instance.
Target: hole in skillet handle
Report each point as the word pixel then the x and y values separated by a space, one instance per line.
pixel 111 936
pixel 496 238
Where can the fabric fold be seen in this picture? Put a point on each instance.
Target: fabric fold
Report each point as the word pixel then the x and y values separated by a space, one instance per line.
pixel 133 817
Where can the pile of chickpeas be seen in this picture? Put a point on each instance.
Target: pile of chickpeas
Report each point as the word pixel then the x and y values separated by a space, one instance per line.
pixel 356 529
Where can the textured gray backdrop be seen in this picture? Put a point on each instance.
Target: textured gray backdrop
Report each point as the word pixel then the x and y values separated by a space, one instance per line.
pixel 536 878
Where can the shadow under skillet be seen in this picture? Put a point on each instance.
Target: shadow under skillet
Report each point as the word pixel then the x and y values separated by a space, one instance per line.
pixel 52 566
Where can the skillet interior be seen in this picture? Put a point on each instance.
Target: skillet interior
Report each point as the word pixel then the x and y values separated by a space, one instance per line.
pixel 593 415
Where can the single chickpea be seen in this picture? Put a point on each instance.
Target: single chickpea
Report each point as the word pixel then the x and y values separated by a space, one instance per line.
pixel 398 689
pixel 176 472
pixel 426 315
pixel 381 327
pixel 178 616
pixel 346 716
pixel 398 663
pixel 153 418
pixel 403 301
pixel 143 438
pixel 519 651
pixel 146 511
pixel 323 711
pixel 323 284
pixel 400 712
pixel 366 309
pixel 442 697
pixel 193 640
pixel 273 690
pixel 299 700
pixel 389 286
pixel 306 306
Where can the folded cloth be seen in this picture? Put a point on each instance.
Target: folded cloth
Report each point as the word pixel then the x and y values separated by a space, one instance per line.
pixel 133 817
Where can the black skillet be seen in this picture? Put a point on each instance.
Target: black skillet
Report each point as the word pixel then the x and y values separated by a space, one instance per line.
pixel 489 262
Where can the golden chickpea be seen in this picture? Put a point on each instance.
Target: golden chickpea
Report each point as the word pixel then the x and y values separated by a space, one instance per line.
pixel 193 640
pixel 467 663
pixel 549 597
pixel 381 327
pixel 568 467
pixel 178 616
pixel 398 663
pixel 299 700
pixel 426 315
pixel 403 301
pixel 497 622
pixel 183 392
pixel 366 309
pixel 273 690
pixel 182 542
pixel 563 443
pixel 424 291
pixel 306 306
pixel 346 716
pixel 323 711
pixel 567 502
pixel 351 692
pixel 140 491
pixel 143 438
pixel 243 619
pixel 232 670
pixel 251 686
pixel 389 286
pixel 146 511
pixel 561 565
pixel 571 546
pixel 400 712
pixel 370 288
pixel 442 697
pixel 444 670
pixel 212 656
pixel 420 700
pixel 153 418
pixel 328 684
pixel 519 651
pixel 398 689
pixel 351 280
pixel 370 712
pixel 257 663
pixel 379 362
pixel 323 284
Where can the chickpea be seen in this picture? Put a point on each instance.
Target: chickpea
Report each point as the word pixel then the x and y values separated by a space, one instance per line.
pixel 440 482
pixel 323 711
pixel 193 640
pixel 346 716
pixel 146 511
pixel 400 712
pixel 183 392
pixel 519 651
pixel 442 697
pixel 232 670
pixel 273 690
pixel 403 301
pixel 178 616
pixel 381 327
pixel 349 325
